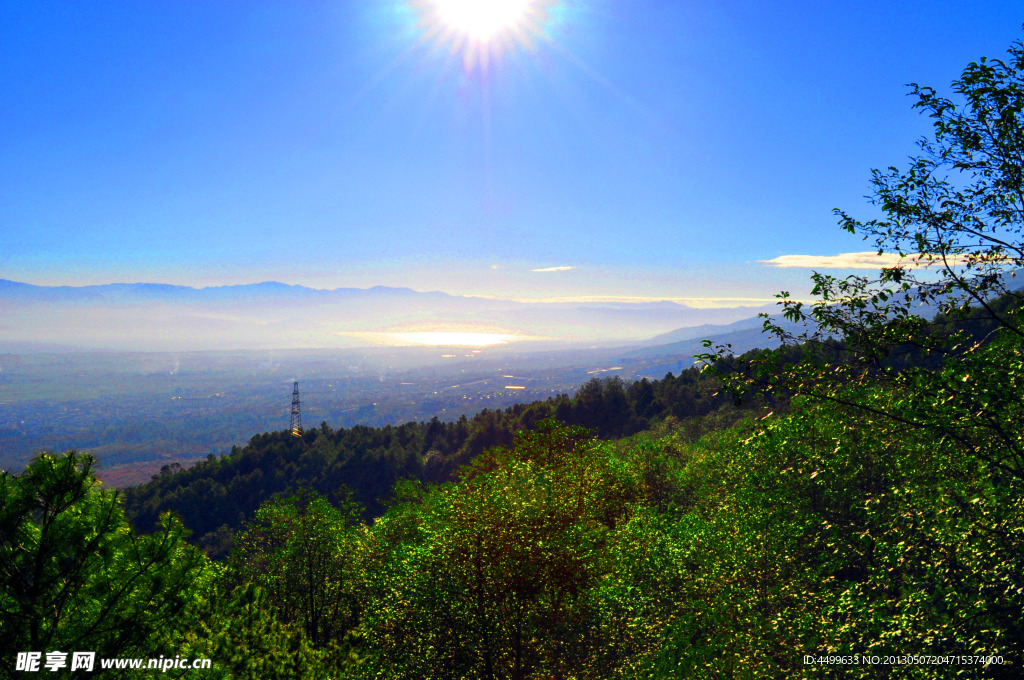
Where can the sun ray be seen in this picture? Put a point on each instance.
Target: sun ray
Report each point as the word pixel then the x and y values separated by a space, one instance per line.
pixel 482 30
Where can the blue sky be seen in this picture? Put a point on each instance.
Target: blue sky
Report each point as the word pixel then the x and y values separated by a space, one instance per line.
pixel 640 150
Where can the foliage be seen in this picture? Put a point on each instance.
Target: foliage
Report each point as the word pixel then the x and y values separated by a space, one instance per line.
pixel 903 474
pixel 506 574
pixel 73 576
pixel 956 214
pixel 297 550
pixel 239 631
pixel 835 531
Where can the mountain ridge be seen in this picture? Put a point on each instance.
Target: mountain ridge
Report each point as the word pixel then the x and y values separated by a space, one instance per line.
pixel 275 315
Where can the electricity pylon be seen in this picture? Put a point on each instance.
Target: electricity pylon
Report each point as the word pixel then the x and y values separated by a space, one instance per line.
pixel 296 417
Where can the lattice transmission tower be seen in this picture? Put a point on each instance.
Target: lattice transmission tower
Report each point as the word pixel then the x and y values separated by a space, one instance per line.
pixel 296 416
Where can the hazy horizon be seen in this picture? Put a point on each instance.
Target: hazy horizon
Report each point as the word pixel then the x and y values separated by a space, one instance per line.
pixel 272 315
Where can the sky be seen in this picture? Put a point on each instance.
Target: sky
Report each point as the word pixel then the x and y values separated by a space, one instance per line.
pixel 636 150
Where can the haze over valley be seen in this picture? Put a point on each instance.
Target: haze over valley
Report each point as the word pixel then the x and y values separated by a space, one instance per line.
pixel 139 411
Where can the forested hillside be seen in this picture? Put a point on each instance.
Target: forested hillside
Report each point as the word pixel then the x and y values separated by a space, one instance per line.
pixel 215 497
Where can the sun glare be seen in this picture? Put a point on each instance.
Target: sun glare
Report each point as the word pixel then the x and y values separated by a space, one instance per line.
pixel 436 338
pixel 482 29
pixel 451 338
pixel 480 19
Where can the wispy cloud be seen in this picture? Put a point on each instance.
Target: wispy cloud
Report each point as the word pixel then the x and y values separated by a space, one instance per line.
pixel 864 260
pixel 553 269
pixel 870 260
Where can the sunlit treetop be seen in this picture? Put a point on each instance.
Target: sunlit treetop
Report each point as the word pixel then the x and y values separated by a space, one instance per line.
pixel 482 29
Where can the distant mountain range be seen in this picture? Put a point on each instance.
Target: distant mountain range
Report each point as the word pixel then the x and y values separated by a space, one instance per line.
pixel 162 317
pixel 146 293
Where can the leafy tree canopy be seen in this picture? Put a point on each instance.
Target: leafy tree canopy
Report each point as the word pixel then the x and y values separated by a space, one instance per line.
pixel 73 576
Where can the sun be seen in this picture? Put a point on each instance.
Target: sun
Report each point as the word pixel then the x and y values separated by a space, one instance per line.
pixel 482 30
pixel 481 19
